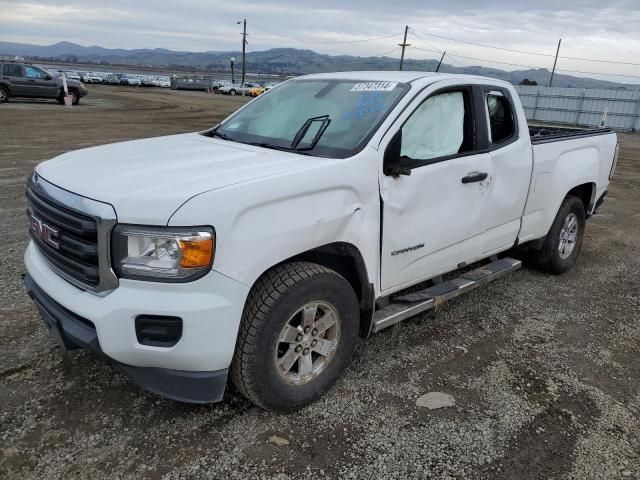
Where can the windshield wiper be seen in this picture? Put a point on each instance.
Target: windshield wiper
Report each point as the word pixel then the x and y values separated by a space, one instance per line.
pixel 221 135
pixel 299 136
pixel 276 147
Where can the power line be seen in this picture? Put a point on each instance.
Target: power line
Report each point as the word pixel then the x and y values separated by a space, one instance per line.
pixel 435 49
pixel 324 41
pixel 530 66
pixel 385 53
pixel 600 61
pixel 484 45
pixel 413 32
pixel 480 59
pixel 598 73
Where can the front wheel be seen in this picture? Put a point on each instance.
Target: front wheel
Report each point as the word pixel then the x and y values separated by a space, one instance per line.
pixel 232 92
pixel 298 331
pixel 4 95
pixel 75 97
pixel 563 243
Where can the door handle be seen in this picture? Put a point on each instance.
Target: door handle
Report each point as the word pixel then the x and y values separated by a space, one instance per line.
pixel 474 177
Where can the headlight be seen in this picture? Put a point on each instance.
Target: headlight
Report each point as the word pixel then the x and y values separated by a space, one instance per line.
pixel 164 254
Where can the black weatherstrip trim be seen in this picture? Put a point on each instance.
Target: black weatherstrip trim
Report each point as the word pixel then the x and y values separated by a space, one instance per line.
pixel 573 134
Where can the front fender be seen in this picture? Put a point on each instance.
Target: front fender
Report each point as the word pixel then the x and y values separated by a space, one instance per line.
pixel 264 222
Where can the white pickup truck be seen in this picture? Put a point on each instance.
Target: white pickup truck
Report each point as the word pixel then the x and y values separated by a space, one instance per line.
pixel 262 249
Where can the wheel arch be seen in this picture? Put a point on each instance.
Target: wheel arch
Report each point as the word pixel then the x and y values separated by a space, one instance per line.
pixel 586 192
pixel 347 260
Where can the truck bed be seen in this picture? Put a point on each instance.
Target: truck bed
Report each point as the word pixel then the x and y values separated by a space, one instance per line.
pixel 543 134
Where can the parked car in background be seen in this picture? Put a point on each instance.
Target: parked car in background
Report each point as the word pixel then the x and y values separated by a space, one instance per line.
pixel 130 80
pixel 216 85
pixel 148 81
pixel 112 79
pixel 27 80
pixel 256 91
pixel 237 89
pixel 71 75
pixel 164 82
pixel 93 77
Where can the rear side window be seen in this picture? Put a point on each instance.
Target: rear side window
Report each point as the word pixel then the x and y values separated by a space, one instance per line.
pixel 12 70
pixel 501 124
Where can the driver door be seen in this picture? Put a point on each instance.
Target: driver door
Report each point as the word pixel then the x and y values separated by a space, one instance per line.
pixel 40 83
pixel 434 206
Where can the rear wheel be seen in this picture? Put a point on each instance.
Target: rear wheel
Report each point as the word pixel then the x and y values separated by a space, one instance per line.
pixel 4 94
pixel 563 243
pixel 232 92
pixel 298 332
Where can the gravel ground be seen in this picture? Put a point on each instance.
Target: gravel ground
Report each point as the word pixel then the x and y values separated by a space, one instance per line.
pixel 544 370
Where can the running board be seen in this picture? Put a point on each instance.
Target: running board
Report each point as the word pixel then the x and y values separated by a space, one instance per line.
pixel 406 306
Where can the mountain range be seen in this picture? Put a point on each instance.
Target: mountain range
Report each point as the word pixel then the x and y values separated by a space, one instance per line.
pixel 286 61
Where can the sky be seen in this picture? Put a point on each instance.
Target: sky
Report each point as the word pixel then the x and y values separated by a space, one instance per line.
pixel 596 29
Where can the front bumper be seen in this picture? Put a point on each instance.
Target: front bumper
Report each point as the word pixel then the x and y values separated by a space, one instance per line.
pixel 193 370
pixel 71 331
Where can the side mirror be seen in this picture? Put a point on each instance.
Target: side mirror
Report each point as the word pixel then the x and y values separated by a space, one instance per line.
pixel 48 77
pixel 391 164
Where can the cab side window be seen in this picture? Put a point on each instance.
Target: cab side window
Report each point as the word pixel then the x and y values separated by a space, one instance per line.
pixel 501 123
pixel 12 70
pixel 439 127
pixel 33 72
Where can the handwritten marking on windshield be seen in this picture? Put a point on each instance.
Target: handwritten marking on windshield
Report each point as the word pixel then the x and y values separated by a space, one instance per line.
pixel 368 103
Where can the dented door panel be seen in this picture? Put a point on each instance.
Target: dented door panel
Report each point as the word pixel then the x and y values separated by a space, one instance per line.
pixel 433 221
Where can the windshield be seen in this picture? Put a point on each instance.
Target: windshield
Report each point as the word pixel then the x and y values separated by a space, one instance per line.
pixel 349 110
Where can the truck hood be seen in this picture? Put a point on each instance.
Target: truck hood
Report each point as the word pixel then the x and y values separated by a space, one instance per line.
pixel 147 180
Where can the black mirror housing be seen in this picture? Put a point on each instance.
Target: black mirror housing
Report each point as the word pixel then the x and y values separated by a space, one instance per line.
pixel 391 164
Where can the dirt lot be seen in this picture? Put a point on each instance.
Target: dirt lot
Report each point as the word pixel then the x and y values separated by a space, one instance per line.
pixel 545 370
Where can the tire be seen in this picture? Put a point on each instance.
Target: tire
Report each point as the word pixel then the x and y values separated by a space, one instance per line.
pixel 232 92
pixel 75 97
pixel 559 253
pixel 265 341
pixel 4 95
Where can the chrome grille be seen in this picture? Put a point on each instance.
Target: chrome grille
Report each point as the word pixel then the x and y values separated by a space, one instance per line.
pixel 72 233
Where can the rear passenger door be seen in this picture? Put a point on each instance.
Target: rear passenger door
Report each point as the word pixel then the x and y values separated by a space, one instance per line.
pixel 511 165
pixel 13 74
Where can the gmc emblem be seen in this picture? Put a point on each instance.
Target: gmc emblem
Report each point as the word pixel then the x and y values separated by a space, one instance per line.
pixel 44 232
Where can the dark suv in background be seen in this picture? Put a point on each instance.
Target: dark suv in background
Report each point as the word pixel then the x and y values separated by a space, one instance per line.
pixel 25 80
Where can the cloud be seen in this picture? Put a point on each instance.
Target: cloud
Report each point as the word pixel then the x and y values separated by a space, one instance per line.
pixel 589 28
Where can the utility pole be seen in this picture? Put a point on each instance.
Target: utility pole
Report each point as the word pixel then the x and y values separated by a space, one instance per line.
pixel 403 45
pixel 555 63
pixel 244 45
pixel 440 62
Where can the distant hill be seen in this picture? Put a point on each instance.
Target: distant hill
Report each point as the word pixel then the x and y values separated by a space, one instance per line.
pixel 289 61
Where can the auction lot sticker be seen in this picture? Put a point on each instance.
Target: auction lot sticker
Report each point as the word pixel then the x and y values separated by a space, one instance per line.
pixel 374 87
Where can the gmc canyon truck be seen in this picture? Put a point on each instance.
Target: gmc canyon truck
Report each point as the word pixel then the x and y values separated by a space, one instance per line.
pixel 329 208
